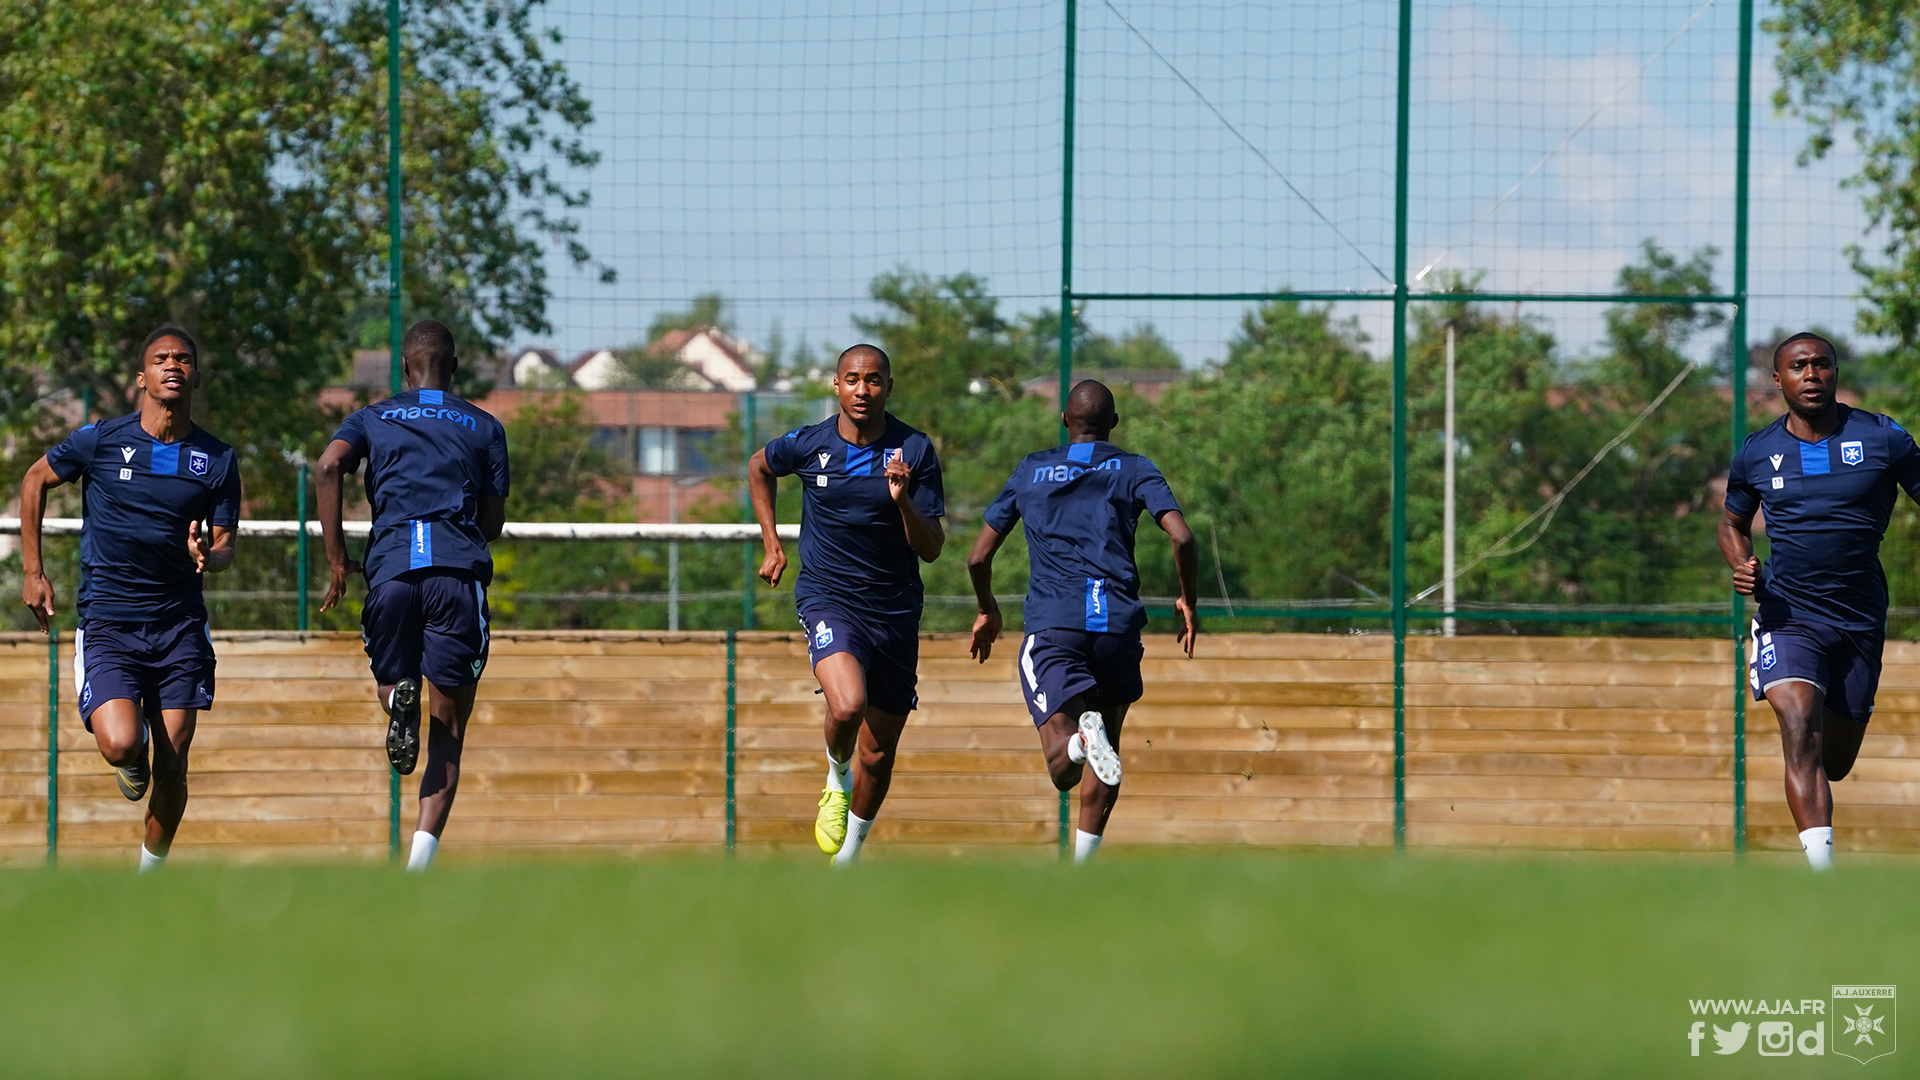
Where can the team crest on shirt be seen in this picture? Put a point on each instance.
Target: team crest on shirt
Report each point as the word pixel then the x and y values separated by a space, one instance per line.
pixel 198 462
pixel 888 457
pixel 1852 453
pixel 822 635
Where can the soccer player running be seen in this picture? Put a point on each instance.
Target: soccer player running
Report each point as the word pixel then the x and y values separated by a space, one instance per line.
pixel 142 660
pixel 437 482
pixel 1826 476
pixel 1080 664
pixel 870 514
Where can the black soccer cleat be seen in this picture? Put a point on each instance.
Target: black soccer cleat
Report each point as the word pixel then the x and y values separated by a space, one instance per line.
pixel 403 726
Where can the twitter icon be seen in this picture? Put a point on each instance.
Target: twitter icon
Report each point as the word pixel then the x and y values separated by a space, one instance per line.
pixel 1730 1042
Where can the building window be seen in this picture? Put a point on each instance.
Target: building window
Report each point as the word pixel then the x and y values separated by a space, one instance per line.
pixel 659 451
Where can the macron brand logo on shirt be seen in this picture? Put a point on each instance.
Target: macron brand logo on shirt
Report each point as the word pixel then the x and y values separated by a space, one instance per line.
pixel 431 407
pixel 1058 474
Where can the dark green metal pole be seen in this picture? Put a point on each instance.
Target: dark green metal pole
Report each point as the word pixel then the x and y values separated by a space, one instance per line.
pixel 53 745
pixel 732 718
pixel 749 420
pixel 300 550
pixel 1737 614
pixel 393 310
pixel 1066 295
pixel 1398 592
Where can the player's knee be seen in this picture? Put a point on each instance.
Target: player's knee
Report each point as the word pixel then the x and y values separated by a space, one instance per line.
pixel 170 768
pixel 118 749
pixel 875 759
pixel 850 711
pixel 1065 773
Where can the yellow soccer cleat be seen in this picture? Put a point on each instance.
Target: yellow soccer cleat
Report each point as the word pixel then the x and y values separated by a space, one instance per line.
pixel 830 827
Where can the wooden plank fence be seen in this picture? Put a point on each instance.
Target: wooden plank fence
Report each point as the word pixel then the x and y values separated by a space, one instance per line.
pixel 614 743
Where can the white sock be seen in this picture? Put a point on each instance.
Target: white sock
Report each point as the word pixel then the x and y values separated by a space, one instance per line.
pixel 1084 845
pixel 1818 844
pixel 421 857
pixel 839 774
pixel 149 861
pixel 1077 748
pixel 856 835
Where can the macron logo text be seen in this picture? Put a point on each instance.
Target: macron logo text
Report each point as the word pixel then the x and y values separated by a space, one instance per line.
pixel 1062 473
pixel 415 412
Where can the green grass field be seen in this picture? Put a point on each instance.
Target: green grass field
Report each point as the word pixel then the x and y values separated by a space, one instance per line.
pixel 1151 966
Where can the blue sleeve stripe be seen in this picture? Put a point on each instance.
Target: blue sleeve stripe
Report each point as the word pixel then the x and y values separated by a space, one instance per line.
pixel 165 460
pixel 1814 459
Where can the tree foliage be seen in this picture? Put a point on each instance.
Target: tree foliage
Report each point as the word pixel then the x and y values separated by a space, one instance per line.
pixel 222 164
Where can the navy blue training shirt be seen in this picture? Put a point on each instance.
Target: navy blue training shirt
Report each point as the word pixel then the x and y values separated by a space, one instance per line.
pixel 853 545
pixel 1082 503
pixel 137 496
pixel 1827 506
pixel 431 457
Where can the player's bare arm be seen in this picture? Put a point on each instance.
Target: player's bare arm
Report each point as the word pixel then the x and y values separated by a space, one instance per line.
pixel 35 590
pixel 762 485
pixel 213 550
pixel 924 534
pixel 1736 545
pixel 987 624
pixel 337 459
pixel 491 516
pixel 1186 563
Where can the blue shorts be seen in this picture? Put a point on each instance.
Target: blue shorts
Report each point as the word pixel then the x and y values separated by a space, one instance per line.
pixel 156 665
pixel 1056 665
pixel 1843 664
pixel 888 650
pixel 430 622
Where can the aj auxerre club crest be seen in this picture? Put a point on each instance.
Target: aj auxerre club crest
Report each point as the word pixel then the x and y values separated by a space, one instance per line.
pixel 888 457
pixel 197 462
pixel 822 635
pixel 1865 1022
pixel 1852 453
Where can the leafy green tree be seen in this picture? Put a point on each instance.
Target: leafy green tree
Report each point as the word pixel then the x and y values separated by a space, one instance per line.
pixel 707 309
pixel 222 165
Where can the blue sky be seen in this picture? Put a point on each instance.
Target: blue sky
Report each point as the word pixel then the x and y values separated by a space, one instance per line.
pixel 783 155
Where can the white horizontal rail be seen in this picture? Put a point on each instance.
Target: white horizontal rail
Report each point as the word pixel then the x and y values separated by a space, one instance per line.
pixel 515 530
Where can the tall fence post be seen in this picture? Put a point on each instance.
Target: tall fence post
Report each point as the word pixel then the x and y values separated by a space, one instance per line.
pixel 748 422
pixel 53 744
pixel 394 376
pixel 1399 580
pixel 1066 286
pixel 732 719
pixel 1743 122
pixel 300 552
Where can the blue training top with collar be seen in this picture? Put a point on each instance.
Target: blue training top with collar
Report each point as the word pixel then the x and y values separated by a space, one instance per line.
pixel 853 543
pixel 431 457
pixel 138 495
pixel 1827 505
pixel 1082 504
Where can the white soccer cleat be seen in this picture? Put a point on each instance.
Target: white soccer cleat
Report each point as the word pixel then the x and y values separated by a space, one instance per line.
pixel 1100 753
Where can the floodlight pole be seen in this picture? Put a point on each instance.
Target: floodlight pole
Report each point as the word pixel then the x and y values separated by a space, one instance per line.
pixel 394 377
pixel 1737 379
pixel 1398 590
pixel 1066 285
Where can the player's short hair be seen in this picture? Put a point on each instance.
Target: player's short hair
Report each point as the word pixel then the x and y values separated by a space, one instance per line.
pixel 1806 335
pixel 169 330
pixel 1090 398
pixel 429 340
pixel 875 351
